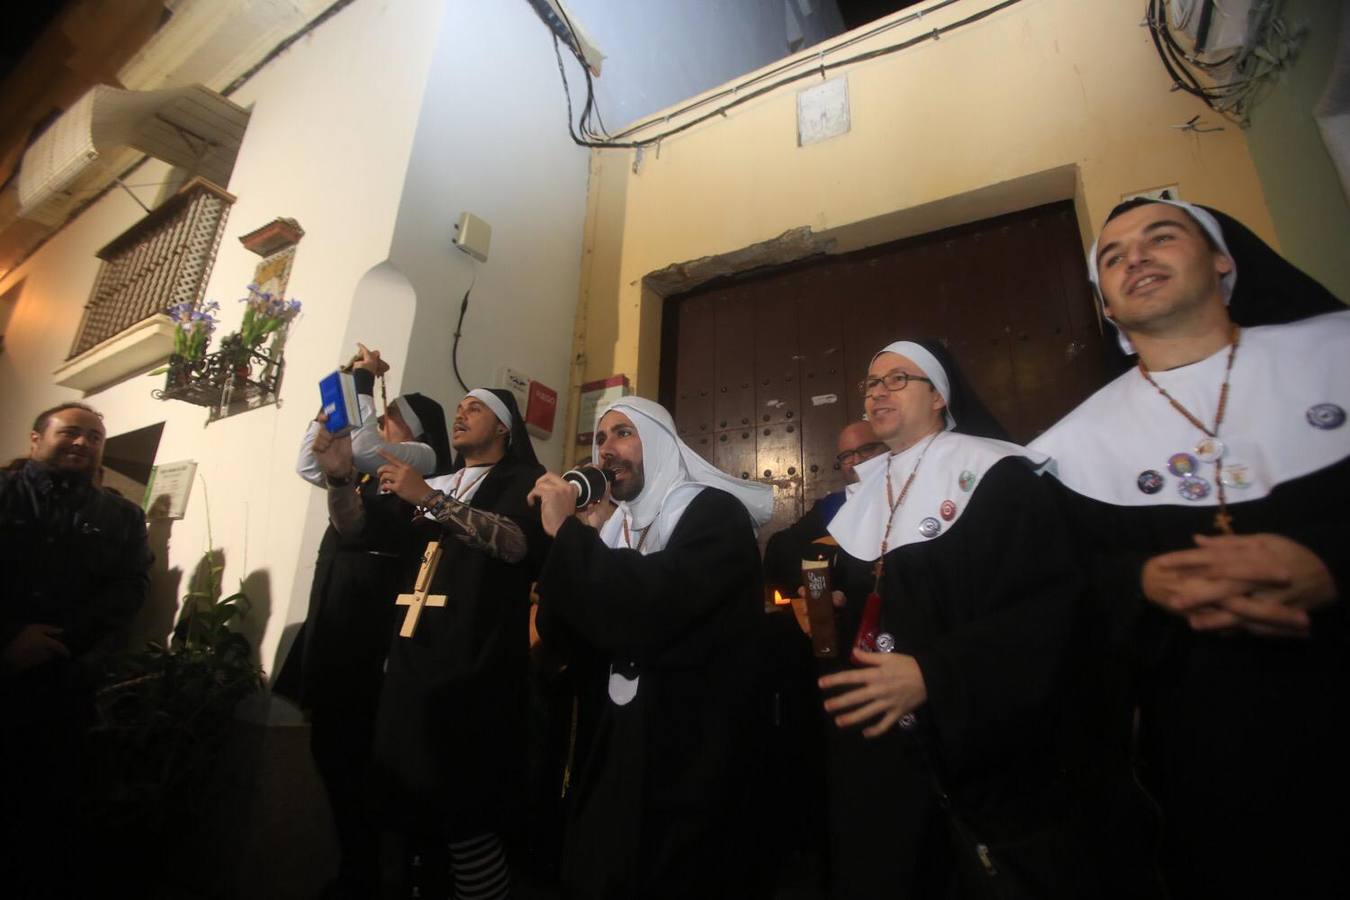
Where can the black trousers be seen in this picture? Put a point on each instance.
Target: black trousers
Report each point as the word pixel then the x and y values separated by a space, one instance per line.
pixel 342 739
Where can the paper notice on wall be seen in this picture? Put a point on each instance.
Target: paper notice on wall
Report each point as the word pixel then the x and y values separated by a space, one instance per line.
pixel 596 395
pixel 824 399
pixel 166 495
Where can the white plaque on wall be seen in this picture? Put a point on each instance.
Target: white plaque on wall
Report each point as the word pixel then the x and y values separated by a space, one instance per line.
pixel 166 495
pixel 822 111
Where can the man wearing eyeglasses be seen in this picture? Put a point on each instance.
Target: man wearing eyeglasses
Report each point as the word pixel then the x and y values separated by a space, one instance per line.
pixel 784 553
pixel 958 591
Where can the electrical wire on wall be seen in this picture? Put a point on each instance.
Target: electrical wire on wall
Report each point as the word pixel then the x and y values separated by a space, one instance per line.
pixel 592 130
pixel 459 327
pixel 1234 83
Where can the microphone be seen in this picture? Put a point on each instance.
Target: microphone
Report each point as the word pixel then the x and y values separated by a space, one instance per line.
pixel 590 483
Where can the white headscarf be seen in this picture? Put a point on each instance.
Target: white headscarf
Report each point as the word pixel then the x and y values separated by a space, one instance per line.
pixel 1205 220
pixel 672 476
pixel 928 364
pixel 494 403
pixel 950 473
pixel 409 416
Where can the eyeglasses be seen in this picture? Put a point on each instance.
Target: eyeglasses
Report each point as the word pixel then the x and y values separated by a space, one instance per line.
pixel 859 454
pixel 892 381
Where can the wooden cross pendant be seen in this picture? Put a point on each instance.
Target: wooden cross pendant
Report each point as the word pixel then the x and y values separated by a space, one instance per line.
pixel 419 598
pixel 1223 521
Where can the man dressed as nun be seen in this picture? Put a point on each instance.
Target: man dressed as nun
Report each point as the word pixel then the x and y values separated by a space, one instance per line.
pixel 656 597
pixel 450 739
pixel 335 667
pixel 945 774
pixel 1209 488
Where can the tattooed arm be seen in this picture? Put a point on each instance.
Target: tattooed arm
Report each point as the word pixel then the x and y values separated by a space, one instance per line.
pixel 345 510
pixel 496 535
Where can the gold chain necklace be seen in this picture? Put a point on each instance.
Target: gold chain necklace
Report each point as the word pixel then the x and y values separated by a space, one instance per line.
pixel 628 538
pixel 1222 519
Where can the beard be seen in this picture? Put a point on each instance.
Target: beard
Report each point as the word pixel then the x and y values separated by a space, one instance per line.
pixel 70 464
pixel 628 488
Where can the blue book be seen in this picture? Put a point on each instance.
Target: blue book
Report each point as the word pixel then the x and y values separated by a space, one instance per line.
pixel 338 394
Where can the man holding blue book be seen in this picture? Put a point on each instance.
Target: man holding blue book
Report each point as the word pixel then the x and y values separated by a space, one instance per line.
pixel 336 666
pixel 450 731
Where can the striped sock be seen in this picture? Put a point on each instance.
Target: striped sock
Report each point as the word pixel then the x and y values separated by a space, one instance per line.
pixel 478 865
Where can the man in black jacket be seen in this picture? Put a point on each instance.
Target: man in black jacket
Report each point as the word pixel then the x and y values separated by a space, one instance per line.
pixel 74 560
pixel 785 551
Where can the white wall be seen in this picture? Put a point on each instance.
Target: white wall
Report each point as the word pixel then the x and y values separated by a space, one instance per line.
pixel 328 144
pixel 660 52
pixel 492 140
pixel 375 131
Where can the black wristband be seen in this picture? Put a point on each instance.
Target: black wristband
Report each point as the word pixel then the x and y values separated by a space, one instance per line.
pixel 364 379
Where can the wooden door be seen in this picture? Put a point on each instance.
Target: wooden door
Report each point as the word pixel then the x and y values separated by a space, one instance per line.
pixel 761 371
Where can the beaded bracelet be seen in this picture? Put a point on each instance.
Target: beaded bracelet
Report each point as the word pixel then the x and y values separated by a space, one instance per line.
pixel 434 507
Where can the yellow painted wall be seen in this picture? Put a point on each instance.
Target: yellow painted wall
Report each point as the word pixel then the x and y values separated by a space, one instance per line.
pixel 1048 99
pixel 1307 202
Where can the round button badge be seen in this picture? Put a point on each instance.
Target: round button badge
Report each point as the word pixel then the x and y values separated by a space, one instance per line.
pixel 1193 487
pixel 1182 464
pixel 1326 416
pixel 1236 475
pixel 930 527
pixel 885 642
pixel 947 510
pixel 1208 449
pixel 1150 481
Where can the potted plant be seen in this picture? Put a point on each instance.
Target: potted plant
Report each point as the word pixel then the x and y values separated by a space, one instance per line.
pixel 225 380
pixel 161 751
pixel 192 332
pixel 235 356
pixel 265 315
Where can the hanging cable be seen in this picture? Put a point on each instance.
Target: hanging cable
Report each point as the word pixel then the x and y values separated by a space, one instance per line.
pixel 459 327
pixel 1232 85
pixel 590 136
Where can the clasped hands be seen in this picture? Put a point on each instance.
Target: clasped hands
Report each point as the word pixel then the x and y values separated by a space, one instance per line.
pixel 35 644
pixel 1265 584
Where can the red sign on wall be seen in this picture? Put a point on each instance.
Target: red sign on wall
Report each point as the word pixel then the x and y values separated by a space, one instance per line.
pixel 541 410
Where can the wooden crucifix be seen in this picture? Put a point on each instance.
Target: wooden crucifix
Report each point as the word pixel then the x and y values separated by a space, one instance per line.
pixel 419 597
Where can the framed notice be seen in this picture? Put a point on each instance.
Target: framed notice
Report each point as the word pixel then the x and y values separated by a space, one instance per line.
pixel 596 395
pixel 166 495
